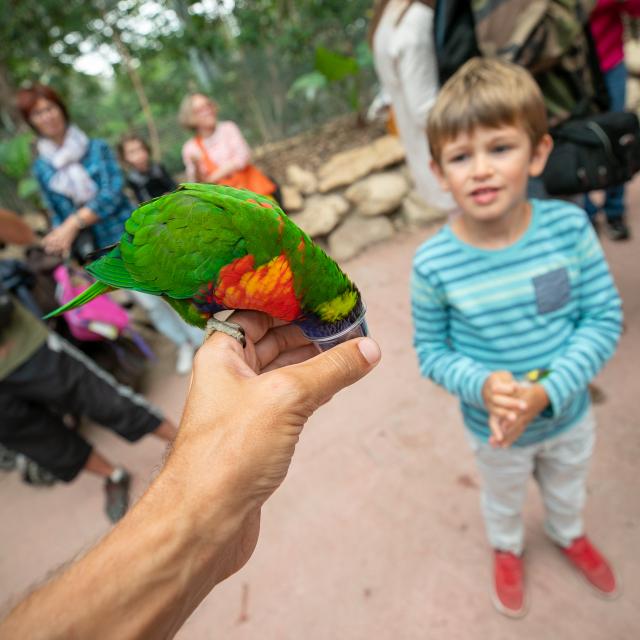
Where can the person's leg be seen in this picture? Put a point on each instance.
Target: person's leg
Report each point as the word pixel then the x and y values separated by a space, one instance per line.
pixel 561 472
pixel 590 208
pixel 505 473
pixel 82 387
pixel 172 326
pixel 62 377
pixel 163 317
pixel 31 426
pixel 31 429
pixel 616 81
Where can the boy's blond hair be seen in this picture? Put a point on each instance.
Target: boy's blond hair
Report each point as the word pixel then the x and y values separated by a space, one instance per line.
pixel 486 92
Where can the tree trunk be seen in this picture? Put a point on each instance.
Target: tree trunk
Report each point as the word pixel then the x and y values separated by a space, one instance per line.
pixel 136 81
pixel 9 115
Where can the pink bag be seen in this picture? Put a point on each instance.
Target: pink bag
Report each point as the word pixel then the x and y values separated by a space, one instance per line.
pixel 99 319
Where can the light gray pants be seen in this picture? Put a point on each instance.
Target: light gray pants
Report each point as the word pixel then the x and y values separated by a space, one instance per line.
pixel 167 321
pixel 559 466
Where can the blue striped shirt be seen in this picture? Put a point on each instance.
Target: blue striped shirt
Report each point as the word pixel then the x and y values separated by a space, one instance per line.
pixel 110 203
pixel 547 301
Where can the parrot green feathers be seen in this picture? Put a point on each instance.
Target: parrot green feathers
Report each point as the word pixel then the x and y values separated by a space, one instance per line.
pixel 205 248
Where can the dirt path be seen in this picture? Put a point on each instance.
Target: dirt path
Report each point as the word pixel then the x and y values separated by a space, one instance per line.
pixel 377 533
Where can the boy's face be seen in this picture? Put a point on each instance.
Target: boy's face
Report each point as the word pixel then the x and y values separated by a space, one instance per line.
pixel 487 169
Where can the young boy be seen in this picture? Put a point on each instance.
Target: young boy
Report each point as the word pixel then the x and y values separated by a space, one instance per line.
pixel 510 286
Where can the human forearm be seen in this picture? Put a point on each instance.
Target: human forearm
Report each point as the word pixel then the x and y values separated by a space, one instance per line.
pixel 167 550
pixel 199 521
pixel 588 350
pixel 14 230
pixel 223 171
pixel 458 374
pixel 85 217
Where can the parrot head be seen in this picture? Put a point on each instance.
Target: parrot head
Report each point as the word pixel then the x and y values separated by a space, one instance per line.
pixel 333 316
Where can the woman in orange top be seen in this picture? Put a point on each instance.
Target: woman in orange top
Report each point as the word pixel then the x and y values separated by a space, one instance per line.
pixel 218 152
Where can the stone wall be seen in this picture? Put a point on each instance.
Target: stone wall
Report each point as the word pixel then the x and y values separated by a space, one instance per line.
pixel 357 198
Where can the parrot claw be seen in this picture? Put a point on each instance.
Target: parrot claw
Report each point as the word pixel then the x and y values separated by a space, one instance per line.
pixel 232 329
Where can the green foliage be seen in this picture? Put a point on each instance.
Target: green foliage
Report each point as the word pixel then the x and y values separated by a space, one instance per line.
pixel 250 55
pixel 334 68
pixel 15 163
pixel 15 155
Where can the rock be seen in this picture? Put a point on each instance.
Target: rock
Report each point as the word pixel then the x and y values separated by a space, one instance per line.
pixel 357 233
pixel 416 211
pixel 378 194
pixel 632 56
pixel 399 223
pixel 302 179
pixel 387 150
pixel 345 168
pixel 633 94
pixel 321 214
pixel 348 166
pixel 404 170
pixel 292 200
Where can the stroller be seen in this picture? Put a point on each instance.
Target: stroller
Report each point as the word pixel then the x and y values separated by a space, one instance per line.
pixel 102 329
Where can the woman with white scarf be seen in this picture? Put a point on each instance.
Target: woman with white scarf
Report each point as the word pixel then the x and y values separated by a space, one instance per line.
pixel 82 187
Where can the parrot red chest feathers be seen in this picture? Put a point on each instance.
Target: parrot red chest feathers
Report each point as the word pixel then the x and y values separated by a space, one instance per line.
pixel 267 288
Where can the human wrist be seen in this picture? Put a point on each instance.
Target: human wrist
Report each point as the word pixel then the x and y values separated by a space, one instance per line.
pixel 540 398
pixel 211 506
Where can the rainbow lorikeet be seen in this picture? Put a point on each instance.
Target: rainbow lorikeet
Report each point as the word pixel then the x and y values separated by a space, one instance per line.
pixel 205 248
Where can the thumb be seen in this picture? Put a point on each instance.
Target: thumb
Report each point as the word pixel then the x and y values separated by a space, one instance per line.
pixel 331 371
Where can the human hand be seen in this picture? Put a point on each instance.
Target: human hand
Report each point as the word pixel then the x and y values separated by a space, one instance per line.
pixel 221 172
pixel 60 239
pixel 535 400
pixel 244 414
pixel 199 520
pixel 499 395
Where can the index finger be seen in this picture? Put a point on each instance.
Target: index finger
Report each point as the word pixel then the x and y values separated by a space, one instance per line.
pixel 503 387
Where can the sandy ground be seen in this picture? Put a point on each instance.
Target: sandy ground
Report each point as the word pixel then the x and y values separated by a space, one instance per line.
pixel 376 533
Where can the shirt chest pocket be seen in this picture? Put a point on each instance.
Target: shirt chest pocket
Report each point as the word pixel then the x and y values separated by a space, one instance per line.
pixel 552 290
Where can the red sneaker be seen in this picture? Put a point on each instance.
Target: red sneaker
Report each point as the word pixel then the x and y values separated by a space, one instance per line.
pixel 508 587
pixel 593 566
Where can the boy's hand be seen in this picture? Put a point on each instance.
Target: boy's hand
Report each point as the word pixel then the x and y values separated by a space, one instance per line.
pixel 535 399
pixel 500 395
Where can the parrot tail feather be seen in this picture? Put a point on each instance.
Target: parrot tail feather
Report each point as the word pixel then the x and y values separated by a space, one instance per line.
pixel 95 290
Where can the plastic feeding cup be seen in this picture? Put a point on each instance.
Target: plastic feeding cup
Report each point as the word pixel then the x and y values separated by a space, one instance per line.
pixel 354 326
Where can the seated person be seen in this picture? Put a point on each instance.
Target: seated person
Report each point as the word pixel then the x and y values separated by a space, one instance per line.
pixel 147 179
pixel 42 377
pixel 218 152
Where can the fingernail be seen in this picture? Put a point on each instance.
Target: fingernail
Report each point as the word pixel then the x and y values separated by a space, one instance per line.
pixel 370 350
pixel 523 405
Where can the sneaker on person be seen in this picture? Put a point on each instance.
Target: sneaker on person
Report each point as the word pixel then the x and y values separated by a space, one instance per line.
pixel 508 595
pixel 184 359
pixel 7 459
pixel 617 229
pixel 593 566
pixel 116 488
